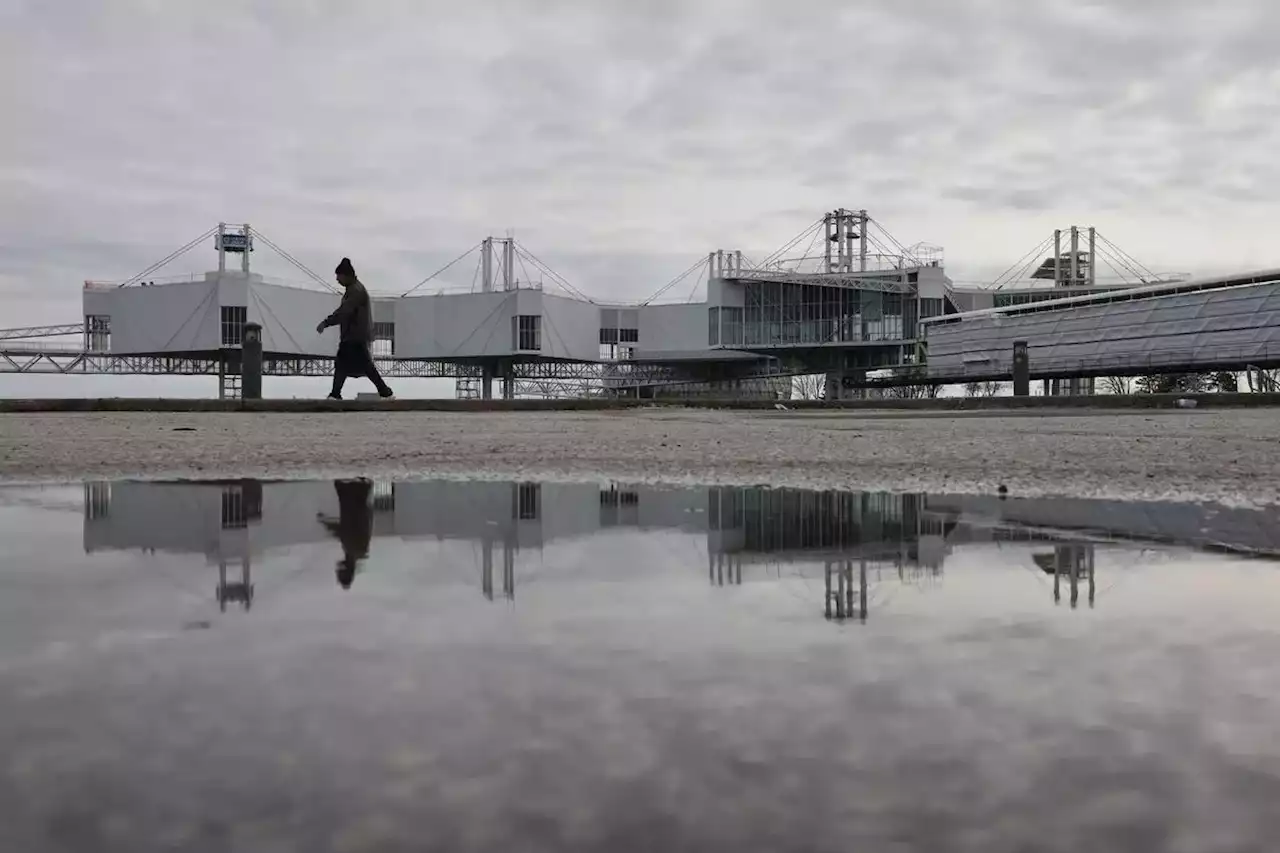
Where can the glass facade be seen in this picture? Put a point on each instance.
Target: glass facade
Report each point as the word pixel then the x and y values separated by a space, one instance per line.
pixel 787 519
pixel 790 314
pixel 1008 299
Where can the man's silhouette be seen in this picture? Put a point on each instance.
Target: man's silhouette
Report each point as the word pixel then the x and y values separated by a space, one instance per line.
pixel 353 527
pixel 354 319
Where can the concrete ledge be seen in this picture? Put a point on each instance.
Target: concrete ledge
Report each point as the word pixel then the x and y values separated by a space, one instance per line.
pixel 940 404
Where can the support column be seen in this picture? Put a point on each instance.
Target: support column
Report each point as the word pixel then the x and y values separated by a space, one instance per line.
pixel 251 362
pixel 486 265
pixel 1075 256
pixel 1057 257
pixel 486 568
pixel 863 220
pixel 831 388
pixel 507 369
pixel 509 264
pixel 1093 264
pixel 827 222
pixel 1021 370
pixel 487 372
pixel 509 569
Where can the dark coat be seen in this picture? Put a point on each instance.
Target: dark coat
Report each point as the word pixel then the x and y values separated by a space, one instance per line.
pixel 354 316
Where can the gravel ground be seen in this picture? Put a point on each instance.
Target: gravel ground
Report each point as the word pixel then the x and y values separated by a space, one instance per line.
pixel 1228 456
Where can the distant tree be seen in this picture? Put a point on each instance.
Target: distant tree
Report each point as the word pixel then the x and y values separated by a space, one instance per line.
pixel 1189 383
pixel 913 392
pixel 1118 384
pixel 1263 381
pixel 1224 381
pixel 810 387
pixel 981 389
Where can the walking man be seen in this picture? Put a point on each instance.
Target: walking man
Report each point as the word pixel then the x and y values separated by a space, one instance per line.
pixel 354 319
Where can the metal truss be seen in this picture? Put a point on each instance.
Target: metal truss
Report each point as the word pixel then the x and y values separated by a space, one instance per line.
pixel 553 376
pixel 558 389
pixel 28 332
pixel 84 363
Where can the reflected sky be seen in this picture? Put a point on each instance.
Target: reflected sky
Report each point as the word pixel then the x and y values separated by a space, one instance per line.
pixel 361 665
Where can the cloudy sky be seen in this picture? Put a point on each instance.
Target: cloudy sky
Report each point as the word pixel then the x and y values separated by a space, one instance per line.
pixel 622 140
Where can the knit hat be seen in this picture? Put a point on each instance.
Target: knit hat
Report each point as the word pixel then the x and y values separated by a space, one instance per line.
pixel 344 268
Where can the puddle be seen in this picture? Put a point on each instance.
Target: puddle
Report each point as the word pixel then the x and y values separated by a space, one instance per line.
pixel 483 665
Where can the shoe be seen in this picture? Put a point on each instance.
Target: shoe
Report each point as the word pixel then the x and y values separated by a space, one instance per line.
pixel 334 397
pixel 386 392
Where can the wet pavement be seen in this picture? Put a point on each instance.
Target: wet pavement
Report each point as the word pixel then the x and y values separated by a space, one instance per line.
pixel 352 666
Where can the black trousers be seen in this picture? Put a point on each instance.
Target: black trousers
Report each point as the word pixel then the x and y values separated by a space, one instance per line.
pixel 354 359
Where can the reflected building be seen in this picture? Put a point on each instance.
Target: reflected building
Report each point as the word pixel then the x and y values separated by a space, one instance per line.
pixel 858 538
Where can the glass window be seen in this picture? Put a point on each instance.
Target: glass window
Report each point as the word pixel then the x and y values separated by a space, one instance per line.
pixel 97 331
pixel 528 331
pixel 233 319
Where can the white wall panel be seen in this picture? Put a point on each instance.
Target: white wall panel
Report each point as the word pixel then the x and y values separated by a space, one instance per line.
pixel 461 325
pixel 288 316
pixel 673 328
pixel 570 328
pixel 164 318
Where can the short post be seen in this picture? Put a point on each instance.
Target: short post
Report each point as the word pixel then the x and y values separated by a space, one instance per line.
pixel 251 362
pixel 1021 370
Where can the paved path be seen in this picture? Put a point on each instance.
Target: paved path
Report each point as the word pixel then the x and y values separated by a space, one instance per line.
pixel 1232 456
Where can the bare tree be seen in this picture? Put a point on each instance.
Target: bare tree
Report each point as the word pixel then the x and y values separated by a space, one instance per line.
pixel 981 389
pixel 913 392
pixel 1172 383
pixel 1118 384
pixel 1263 381
pixel 811 387
pixel 1188 383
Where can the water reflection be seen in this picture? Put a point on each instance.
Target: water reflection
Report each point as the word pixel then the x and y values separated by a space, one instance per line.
pixel 1073 562
pixel 671 676
pixel 353 527
pixel 860 540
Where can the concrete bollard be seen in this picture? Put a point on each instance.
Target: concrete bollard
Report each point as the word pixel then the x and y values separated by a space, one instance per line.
pixel 251 362
pixel 1021 370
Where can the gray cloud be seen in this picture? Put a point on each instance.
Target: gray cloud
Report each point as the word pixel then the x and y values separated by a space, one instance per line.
pixel 620 139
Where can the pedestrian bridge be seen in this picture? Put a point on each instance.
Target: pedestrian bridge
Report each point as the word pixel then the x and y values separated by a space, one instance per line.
pixel 1226 323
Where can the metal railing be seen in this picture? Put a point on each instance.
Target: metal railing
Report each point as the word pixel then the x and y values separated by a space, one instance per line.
pixel 817 264
pixel 64 348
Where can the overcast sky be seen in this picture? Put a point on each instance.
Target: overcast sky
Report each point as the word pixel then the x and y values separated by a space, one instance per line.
pixel 622 140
